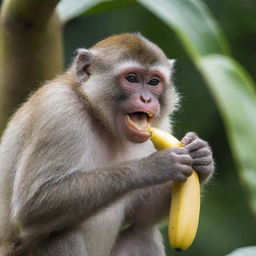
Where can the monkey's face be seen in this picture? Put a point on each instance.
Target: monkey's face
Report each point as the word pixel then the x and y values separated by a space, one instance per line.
pixel 126 81
pixel 141 98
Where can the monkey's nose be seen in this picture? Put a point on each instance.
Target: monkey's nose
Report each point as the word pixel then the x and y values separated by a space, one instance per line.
pixel 145 99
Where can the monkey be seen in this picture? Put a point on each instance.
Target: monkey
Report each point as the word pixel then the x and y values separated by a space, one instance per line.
pixel 79 175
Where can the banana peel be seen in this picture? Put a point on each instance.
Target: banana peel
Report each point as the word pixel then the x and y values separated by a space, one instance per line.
pixel 185 204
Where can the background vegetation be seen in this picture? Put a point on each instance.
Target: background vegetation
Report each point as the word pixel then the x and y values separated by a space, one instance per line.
pixel 218 95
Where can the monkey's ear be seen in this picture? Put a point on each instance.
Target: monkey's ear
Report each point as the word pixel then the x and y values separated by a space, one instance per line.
pixel 172 63
pixel 83 61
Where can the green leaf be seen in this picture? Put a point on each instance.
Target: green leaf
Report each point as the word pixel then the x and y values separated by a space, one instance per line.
pixel 234 93
pixel 105 6
pixel 246 251
pixel 191 20
pixel 68 9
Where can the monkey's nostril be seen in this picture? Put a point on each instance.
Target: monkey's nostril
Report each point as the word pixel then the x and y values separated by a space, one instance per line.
pixel 145 99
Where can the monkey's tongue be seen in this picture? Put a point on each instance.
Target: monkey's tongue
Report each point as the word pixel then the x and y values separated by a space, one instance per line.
pixel 138 120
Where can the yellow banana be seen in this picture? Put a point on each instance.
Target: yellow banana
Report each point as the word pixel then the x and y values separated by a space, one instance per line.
pixel 185 205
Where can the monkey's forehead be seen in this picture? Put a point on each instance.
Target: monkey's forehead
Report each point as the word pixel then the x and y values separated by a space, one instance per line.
pixel 129 46
pixel 157 67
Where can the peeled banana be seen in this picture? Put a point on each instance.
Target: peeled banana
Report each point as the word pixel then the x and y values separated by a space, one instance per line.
pixel 185 205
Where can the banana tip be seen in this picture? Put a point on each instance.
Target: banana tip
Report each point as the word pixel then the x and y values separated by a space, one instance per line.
pixel 178 250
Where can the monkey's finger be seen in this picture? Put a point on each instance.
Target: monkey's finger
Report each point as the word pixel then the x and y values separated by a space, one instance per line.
pixel 184 159
pixel 188 138
pixel 196 144
pixel 180 151
pixel 187 170
pixel 202 152
pixel 203 161
pixel 184 169
pixel 181 178
pixel 204 171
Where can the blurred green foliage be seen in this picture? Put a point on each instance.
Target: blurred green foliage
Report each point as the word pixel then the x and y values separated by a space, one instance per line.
pixel 226 222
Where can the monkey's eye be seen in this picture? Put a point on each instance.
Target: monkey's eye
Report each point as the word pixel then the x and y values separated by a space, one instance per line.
pixel 131 78
pixel 154 82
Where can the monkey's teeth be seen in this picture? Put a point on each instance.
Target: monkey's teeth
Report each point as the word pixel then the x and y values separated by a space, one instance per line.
pixel 150 115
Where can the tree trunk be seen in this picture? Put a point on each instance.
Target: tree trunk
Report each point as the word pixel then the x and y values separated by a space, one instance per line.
pixel 31 50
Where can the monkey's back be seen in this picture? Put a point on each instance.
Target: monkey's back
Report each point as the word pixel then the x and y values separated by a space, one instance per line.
pixel 12 141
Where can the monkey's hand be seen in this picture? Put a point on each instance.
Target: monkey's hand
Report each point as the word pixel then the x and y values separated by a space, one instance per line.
pixel 169 164
pixel 201 154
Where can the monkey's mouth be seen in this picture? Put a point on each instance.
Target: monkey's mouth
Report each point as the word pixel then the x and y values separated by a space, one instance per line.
pixel 140 121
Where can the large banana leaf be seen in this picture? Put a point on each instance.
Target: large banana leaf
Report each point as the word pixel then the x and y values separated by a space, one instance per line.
pixel 69 9
pixel 233 91
pixel 192 22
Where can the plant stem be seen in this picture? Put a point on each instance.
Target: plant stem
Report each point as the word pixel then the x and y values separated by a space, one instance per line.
pixel 31 50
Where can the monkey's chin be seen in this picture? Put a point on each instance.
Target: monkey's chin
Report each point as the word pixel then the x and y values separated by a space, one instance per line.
pixel 135 133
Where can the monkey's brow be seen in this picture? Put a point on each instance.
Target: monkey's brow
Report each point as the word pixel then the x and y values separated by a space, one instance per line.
pixel 134 64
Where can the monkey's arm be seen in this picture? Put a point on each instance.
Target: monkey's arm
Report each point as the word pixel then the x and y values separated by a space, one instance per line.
pixel 57 203
pixel 150 205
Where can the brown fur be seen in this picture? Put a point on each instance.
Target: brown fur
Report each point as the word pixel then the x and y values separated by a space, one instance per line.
pixel 129 46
